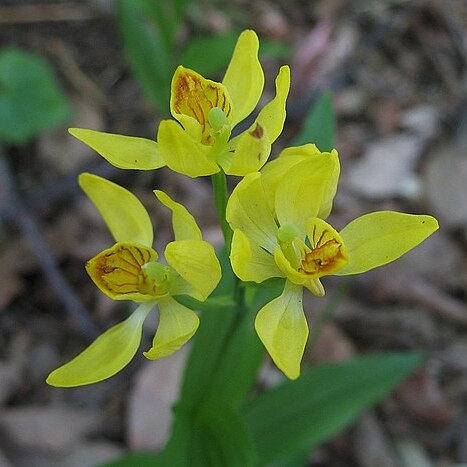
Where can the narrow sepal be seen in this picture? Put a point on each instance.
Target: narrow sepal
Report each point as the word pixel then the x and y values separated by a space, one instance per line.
pixel 122 211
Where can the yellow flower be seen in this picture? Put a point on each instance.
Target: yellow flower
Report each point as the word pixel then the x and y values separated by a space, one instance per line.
pixel 279 231
pixel 199 143
pixel 130 270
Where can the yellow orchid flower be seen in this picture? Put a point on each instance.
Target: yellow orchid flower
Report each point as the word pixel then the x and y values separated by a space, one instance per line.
pixel 279 231
pixel 130 270
pixel 199 143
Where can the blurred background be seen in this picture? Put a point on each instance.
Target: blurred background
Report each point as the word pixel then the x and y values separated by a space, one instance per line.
pixel 383 81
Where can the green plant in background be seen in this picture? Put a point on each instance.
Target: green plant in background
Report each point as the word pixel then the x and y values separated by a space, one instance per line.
pixel 149 29
pixel 276 243
pixel 30 100
pixel 319 125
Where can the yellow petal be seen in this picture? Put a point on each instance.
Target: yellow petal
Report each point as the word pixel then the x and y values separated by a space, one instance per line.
pixel 192 97
pixel 124 152
pixel 244 78
pixel 303 151
pixel 249 261
pixel 331 187
pixel 274 171
pixel 107 355
pixel 272 116
pixel 118 273
pixel 282 327
pixel 292 274
pixel 303 190
pixel 182 153
pixel 252 149
pixel 197 264
pixel 177 324
pixel 248 210
pixel 121 210
pixel 381 237
pixel 184 224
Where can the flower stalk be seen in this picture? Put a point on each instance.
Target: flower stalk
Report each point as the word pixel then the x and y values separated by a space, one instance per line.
pixel 219 188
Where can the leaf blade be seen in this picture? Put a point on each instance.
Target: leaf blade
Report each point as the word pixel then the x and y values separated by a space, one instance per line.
pixel 324 400
pixel 320 125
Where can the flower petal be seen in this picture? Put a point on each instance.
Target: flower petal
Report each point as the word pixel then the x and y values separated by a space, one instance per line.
pixel 248 210
pixel 296 277
pixel 249 261
pixel 281 325
pixel 331 187
pixel 252 149
pixel 124 152
pixel 292 274
pixel 107 355
pixel 184 224
pixel 304 190
pixel 244 78
pixel 117 272
pixel 121 210
pixel 177 324
pixel 272 116
pixel 192 97
pixel 182 153
pixel 197 264
pixel 381 237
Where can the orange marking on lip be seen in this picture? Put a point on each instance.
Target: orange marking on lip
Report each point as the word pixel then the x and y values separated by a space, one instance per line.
pixel 325 258
pixel 195 96
pixel 118 270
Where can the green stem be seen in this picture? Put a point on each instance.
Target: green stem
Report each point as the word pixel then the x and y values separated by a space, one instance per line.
pixel 219 187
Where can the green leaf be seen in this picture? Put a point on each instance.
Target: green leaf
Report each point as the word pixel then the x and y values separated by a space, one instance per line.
pixel 178 449
pixel 298 459
pixel 131 460
pixel 31 101
pixel 320 125
pixel 167 16
pixel 209 55
pixel 213 303
pixel 242 356
pixel 208 343
pixel 147 50
pixel 210 439
pixel 228 439
pixel 274 49
pixel 300 414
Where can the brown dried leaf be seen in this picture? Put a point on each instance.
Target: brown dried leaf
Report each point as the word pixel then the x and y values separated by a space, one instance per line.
pixel 387 168
pixel 422 397
pixel 445 178
pixel 91 454
pixel 156 386
pixel 63 152
pixel 370 443
pixel 332 345
pixel 53 428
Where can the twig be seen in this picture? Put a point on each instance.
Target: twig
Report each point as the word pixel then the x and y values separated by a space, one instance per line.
pixel 77 77
pixel 58 189
pixel 30 230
